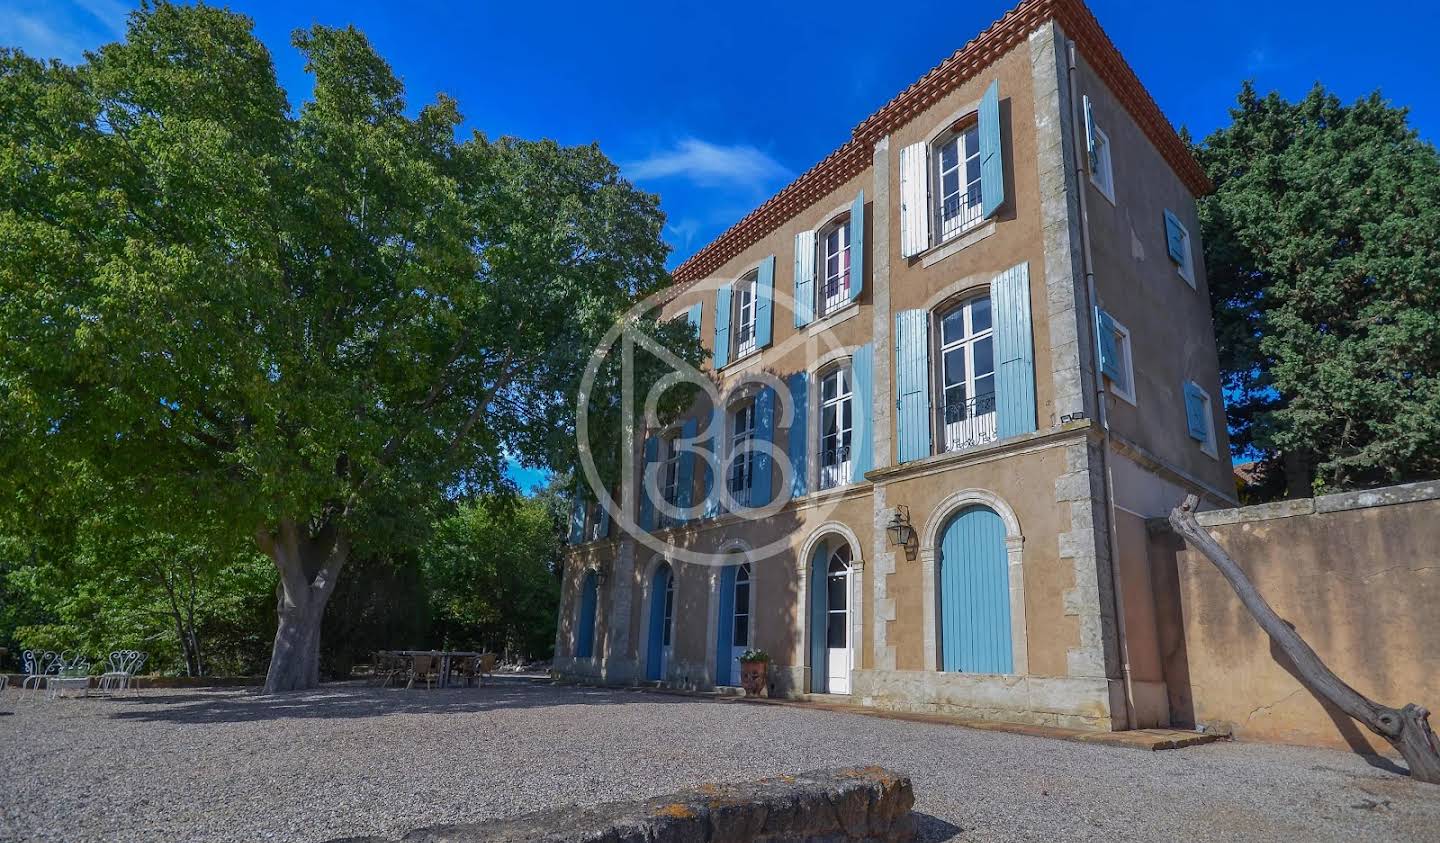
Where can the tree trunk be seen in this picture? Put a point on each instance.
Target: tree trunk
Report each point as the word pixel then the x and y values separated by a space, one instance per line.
pixel 308 565
pixel 1407 729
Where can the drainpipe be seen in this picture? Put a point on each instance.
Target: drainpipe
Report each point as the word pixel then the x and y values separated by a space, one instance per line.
pixel 1082 173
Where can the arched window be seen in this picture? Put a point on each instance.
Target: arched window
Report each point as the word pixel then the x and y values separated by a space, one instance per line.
pixel 745 304
pixel 585 627
pixel 742 607
pixel 966 387
pixel 669 476
pixel 837 597
pixel 742 463
pixel 668 619
pixel 956 158
pixel 836 424
pixel 834 244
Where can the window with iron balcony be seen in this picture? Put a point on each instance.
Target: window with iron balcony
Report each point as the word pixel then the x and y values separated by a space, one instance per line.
pixel 836 425
pixel 965 416
pixel 740 477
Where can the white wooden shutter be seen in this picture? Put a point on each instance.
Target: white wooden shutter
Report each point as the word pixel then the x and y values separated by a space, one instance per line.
pixel 914 200
pixel 804 278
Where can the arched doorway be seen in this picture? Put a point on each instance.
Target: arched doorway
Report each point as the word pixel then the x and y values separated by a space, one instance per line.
pixel 585 628
pixel 832 653
pixel 661 622
pixel 974 593
pixel 735 620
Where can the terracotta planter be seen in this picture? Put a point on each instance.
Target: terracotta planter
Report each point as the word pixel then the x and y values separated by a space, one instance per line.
pixel 752 678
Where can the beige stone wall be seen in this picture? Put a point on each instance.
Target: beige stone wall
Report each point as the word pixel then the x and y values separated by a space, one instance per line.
pixel 1358 574
pixel 1170 324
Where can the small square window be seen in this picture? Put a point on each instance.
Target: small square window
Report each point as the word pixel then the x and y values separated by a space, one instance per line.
pixel 1200 418
pixel 1101 173
pixel 1180 247
pixel 1122 383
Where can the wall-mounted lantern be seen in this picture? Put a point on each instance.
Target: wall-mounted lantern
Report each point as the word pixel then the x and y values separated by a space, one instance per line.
pixel 901 533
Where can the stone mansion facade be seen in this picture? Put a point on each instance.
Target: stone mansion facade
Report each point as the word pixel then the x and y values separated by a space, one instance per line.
pixel 957 365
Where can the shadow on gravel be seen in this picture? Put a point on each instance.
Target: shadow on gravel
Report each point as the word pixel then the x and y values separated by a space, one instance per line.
pixel 348 701
pixel 930 829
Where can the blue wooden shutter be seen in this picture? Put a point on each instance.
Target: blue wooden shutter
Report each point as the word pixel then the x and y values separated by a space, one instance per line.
pixel 764 296
pixel 693 316
pixel 1174 238
pixel 725 632
pixel 862 390
pixel 685 470
pixel 798 449
pixel 819 621
pixel 992 163
pixel 604 522
pixel 1014 352
pixel 764 432
pixel 712 488
pixel 1195 415
pixel 722 327
pixel 585 631
pixel 1090 134
pixel 647 506
pixel 975 594
pixel 857 246
pixel 804 278
pixel 1109 353
pixel 912 380
pixel 577 516
pixel 657 621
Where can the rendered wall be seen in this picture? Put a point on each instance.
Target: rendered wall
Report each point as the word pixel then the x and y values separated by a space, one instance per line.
pixel 1357 574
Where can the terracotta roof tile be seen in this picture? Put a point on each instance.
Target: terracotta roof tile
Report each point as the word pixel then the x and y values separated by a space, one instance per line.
pixel 999 38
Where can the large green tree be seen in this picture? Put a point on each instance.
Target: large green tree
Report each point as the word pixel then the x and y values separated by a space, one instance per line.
pixel 313 324
pixel 490 568
pixel 1322 248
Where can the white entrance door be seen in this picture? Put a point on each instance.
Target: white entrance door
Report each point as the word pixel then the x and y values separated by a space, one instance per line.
pixel 837 621
pixel 740 632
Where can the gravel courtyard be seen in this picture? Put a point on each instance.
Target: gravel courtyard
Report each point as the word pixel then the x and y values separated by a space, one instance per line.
pixel 228 765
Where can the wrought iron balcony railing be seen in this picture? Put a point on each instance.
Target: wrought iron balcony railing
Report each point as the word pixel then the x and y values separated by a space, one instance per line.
pixel 966 424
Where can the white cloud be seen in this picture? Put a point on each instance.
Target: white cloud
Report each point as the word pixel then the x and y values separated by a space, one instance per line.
pixel 684 231
pixel 109 13
pixel 711 165
pixel 63 30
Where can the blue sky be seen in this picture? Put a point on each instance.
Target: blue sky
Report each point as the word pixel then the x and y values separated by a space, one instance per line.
pixel 716 106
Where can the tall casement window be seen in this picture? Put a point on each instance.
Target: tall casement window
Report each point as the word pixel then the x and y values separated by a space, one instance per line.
pixel 836 425
pixel 953 181
pixel 835 266
pixel 669 477
pixel 745 307
pixel 741 637
pixel 742 463
pixel 668 619
pixel 967 376
pixel 957 179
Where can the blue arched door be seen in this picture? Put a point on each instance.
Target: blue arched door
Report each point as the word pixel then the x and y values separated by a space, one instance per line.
pixel 585 630
pixel 974 604
pixel 661 621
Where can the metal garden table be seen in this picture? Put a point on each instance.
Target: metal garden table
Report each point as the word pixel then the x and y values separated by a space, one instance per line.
pixel 444 655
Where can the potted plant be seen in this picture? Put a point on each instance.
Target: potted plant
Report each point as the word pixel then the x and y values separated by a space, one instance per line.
pixel 753 666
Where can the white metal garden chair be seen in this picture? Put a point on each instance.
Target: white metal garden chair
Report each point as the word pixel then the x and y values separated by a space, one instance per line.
pixel 39 666
pixel 123 665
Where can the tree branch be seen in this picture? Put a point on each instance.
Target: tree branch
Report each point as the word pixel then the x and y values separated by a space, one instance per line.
pixel 1407 730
